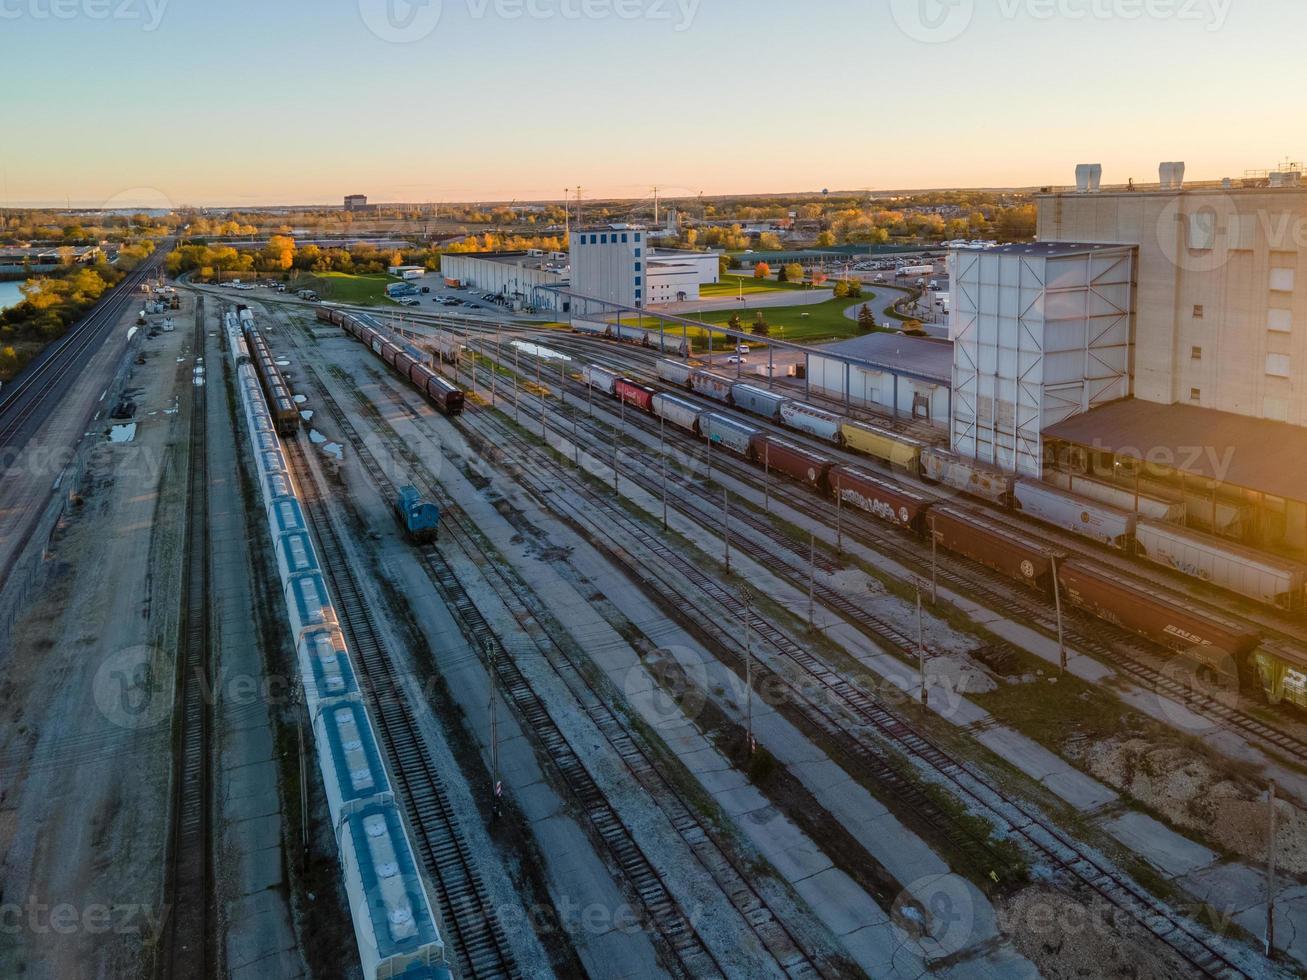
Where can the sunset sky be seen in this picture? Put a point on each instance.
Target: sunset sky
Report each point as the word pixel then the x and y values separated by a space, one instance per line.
pixel 249 102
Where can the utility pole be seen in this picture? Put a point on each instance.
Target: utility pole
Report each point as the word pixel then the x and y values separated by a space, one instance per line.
pixel 1270 874
pixel 495 786
pixel 544 433
pixel 726 526
pixel 748 665
pixel 812 581
pixel 664 467
pixel 1057 601
pixel 921 644
pixel 766 477
pixel 839 523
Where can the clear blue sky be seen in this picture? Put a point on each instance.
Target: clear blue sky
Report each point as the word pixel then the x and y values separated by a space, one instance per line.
pixel 252 101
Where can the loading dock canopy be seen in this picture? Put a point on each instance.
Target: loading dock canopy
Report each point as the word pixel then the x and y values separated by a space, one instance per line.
pixel 918 357
pixel 1252 454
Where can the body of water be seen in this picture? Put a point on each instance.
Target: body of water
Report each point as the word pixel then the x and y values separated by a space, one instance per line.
pixel 10 295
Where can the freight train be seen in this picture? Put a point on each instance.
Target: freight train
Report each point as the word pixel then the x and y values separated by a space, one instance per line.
pixel 277 391
pixel 448 398
pixel 668 343
pixel 1272 581
pixel 394 922
pixel 1166 621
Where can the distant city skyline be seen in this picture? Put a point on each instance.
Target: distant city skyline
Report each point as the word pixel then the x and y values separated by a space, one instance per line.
pixel 246 104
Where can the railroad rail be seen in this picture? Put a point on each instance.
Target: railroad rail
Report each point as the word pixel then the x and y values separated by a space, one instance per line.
pixel 466 912
pixel 690 953
pixel 1108 643
pixel 1019 820
pixel 187 948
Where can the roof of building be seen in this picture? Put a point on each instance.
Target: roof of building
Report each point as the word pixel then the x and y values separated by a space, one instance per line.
pixel 918 355
pixel 521 260
pixel 1052 250
pixel 1268 457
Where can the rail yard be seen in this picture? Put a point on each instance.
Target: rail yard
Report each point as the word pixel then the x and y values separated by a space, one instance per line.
pixel 505 650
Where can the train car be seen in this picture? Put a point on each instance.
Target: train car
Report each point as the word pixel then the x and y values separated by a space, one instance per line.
pixel 794 461
pixel 448 347
pixel 592 328
pixel 814 421
pixel 308 604
pixel 674 373
pixel 628 335
pixel 393 920
pixel 1273 581
pixel 724 431
pixel 712 385
pixel 600 379
pixel 641 396
pixel 419 518
pixel 899 451
pixel 993 546
pixel 681 412
pixel 1281 673
pixel 1146 505
pixel 350 759
pixel 1162 619
pixel 967 476
pixel 1087 518
pixel 448 397
pixel 295 554
pixel 759 401
pixel 666 342
pixel 880 498
pixel 328 675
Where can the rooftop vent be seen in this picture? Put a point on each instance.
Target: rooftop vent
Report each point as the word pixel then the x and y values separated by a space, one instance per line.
pixel 1089 178
pixel 1171 176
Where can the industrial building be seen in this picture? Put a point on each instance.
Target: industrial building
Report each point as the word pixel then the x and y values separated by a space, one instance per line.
pixel 1150 346
pixel 531 279
pixel 356 202
pixel 1041 332
pixel 610 266
pixel 904 377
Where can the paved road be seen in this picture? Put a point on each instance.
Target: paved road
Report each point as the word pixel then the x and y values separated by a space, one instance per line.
pixel 45 410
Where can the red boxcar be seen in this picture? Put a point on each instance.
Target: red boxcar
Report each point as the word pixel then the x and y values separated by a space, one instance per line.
pixel 879 497
pixel 994 546
pixel 635 394
pixel 794 461
pixel 1166 621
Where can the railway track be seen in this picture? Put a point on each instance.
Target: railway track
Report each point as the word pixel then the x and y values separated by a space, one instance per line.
pixel 188 948
pixel 1109 644
pixel 1083 869
pixel 692 956
pixel 468 917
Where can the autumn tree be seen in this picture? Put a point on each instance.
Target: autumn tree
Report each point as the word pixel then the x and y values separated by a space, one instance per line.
pixel 762 271
pixel 793 272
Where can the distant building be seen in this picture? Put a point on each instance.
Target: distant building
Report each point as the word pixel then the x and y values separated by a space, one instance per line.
pixel 356 202
pixel 525 278
pixel 615 264
pixel 15 260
